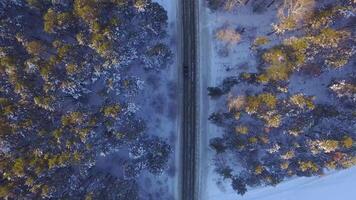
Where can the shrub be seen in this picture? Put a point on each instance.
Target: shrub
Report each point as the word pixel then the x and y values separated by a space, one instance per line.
pixel 308 165
pixel 71 68
pixel 87 10
pixel 35 47
pixel 273 121
pixel 241 130
pixel 229 36
pixel 49 20
pixel 265 100
pixel 261 41
pixel 348 142
pixel 239 185
pixel 302 102
pixel 112 111
pixel 299 45
pixel 286 24
pixel 19 167
pixel 329 38
pixel 101 44
pixel 73 118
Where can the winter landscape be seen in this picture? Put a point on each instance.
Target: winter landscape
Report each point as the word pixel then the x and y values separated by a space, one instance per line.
pixel 97 99
pixel 88 100
pixel 277 74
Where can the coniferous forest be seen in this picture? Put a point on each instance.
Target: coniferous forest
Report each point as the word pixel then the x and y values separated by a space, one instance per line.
pixel 67 97
pixel 157 99
pixel 294 113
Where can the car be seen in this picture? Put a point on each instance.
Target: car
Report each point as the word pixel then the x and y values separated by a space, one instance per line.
pixel 185 70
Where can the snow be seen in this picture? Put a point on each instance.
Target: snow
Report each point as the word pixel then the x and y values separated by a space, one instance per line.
pixel 155 100
pixel 213 68
pixel 317 86
pixel 159 107
pixel 337 185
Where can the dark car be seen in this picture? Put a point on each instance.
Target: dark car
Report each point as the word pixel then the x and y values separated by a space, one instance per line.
pixel 185 70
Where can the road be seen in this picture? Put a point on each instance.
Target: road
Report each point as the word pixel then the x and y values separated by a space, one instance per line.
pixel 189 133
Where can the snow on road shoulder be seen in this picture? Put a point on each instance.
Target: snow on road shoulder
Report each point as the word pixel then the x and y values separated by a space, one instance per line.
pixel 162 112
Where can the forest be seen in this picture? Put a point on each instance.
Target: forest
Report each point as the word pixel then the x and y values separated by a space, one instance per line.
pixel 292 114
pixel 67 96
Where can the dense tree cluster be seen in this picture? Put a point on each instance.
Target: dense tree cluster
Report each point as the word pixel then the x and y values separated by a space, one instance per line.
pixel 274 132
pixel 66 96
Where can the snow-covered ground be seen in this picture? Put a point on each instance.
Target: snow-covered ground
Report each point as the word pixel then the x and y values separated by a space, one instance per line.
pixel 334 186
pixel 159 106
pixel 213 69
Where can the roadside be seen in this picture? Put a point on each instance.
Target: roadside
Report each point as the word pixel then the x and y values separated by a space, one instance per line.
pixel 204 49
pixel 171 128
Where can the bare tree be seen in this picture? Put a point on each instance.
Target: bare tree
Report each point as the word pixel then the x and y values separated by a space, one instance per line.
pixel 231 4
pixel 297 9
pixel 292 12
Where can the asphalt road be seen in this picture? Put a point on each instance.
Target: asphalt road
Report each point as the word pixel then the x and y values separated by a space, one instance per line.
pixel 189 133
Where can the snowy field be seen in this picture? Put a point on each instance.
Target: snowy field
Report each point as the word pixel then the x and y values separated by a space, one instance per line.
pixel 213 69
